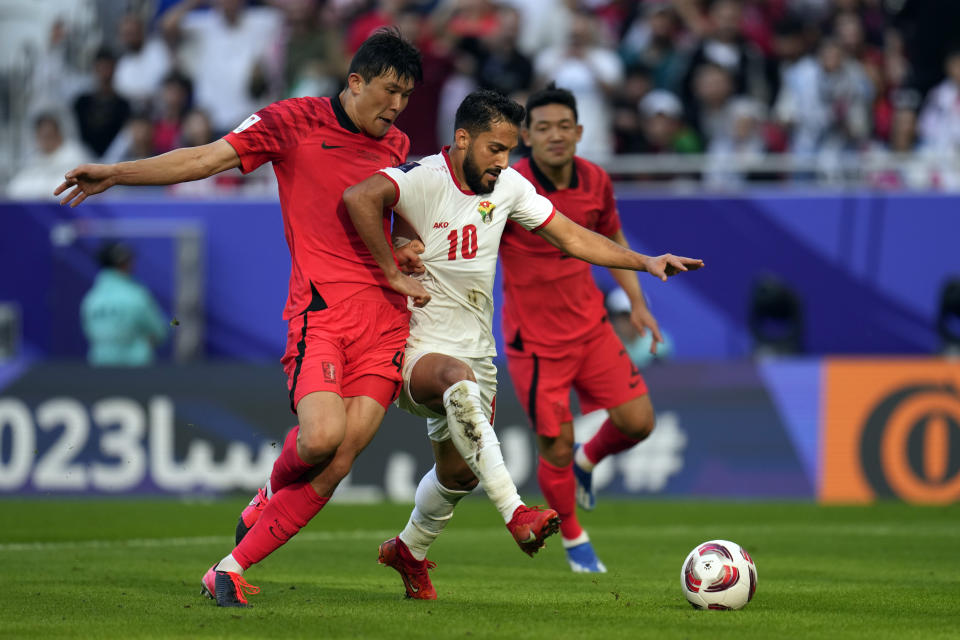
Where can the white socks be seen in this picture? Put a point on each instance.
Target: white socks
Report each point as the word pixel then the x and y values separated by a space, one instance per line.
pixel 581 460
pixel 580 539
pixel 474 438
pixel 433 509
pixel 229 564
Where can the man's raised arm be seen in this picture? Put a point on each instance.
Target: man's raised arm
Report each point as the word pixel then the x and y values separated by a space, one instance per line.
pixel 179 165
pixel 365 203
pixel 594 248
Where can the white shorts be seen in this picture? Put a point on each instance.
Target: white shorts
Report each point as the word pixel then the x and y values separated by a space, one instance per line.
pixel 483 370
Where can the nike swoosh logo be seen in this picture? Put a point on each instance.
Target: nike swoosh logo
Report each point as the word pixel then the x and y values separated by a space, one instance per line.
pixel 634 384
pixel 532 538
pixel 331 146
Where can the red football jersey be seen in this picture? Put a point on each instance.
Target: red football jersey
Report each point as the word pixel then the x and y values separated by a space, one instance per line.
pixel 317 152
pixel 551 299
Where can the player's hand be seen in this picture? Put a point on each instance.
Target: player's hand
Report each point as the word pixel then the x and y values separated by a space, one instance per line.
pixel 642 320
pixel 86 180
pixel 402 283
pixel 408 257
pixel 670 265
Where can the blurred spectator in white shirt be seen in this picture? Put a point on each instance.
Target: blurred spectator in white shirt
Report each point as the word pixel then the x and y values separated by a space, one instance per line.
pixel 225 49
pixel 742 141
pixel 939 125
pixel 591 71
pixel 142 65
pixel 54 156
pixel 825 101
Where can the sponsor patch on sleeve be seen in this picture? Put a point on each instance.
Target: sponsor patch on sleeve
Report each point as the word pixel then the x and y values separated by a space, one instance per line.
pixel 249 122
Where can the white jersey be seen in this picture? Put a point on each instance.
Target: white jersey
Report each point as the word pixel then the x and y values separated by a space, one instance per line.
pixel 461 233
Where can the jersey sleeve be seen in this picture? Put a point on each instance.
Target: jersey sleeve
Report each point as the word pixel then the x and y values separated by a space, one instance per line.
pixel 608 223
pixel 412 181
pixel 530 210
pixel 269 134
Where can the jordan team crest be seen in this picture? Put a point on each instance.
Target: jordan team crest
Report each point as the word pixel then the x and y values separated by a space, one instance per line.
pixel 486 210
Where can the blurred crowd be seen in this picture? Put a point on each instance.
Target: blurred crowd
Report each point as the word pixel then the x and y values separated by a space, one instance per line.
pixel 723 78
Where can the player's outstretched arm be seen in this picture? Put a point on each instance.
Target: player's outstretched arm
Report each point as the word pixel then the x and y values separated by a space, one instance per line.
pixel 179 165
pixel 594 248
pixel 365 203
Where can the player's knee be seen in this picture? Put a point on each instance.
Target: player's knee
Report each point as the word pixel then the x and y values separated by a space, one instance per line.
pixel 456 475
pixel 641 425
pixel 557 451
pixel 455 371
pixel 318 444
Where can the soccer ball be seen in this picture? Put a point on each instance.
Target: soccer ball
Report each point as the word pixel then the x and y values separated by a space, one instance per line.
pixel 718 574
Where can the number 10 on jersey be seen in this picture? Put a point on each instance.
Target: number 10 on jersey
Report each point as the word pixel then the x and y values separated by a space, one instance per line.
pixel 468 248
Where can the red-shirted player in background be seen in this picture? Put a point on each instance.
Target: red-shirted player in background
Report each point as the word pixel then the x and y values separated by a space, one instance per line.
pixel 348 324
pixel 556 328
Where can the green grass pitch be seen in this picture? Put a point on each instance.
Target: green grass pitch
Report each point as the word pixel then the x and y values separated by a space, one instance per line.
pixel 131 569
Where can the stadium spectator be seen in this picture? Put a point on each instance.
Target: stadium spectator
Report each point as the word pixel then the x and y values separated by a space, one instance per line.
pixel 102 112
pixel 448 372
pixel 337 295
pixel 592 71
pixel 313 60
pixel 228 86
pixel 638 345
pixel 743 140
pixel 664 130
pixel 627 125
pixel 134 141
pixel 653 41
pixel 174 101
pixel 54 155
pixel 143 64
pixel 543 24
pixel 556 328
pixel 939 125
pixel 825 101
pixel 500 65
pixel 726 46
pixel 710 110
pixel 422 117
pixel 121 319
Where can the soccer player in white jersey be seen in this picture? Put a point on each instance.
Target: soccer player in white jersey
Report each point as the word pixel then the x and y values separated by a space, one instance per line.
pixel 457 203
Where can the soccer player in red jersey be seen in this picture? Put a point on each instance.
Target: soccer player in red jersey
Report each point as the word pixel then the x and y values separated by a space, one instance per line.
pixel 556 328
pixel 347 322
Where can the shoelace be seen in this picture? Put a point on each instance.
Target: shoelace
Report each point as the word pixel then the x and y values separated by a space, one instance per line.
pixel 243 587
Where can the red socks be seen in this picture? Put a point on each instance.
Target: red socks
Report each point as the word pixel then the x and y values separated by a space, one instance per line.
pixel 288 467
pixel 607 441
pixel 559 488
pixel 288 511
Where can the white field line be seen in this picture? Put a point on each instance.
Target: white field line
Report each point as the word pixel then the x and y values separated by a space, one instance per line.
pixel 918 529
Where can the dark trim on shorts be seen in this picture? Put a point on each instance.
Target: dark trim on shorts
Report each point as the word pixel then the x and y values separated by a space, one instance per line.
pixel 532 397
pixel 301 349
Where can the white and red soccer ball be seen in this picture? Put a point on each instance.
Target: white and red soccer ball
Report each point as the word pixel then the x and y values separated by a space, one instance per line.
pixel 718 574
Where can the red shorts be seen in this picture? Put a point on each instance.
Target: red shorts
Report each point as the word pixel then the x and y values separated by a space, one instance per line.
pixel 354 348
pixel 599 370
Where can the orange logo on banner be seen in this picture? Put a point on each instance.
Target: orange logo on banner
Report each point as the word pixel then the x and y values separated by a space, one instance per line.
pixel 891 429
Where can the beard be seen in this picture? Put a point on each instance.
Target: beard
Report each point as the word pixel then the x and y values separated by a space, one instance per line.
pixel 473 175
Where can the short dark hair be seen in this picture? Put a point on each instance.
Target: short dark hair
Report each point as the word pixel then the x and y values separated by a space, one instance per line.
pixel 551 94
pixel 114 255
pixel 385 51
pixel 482 108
